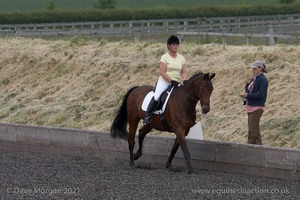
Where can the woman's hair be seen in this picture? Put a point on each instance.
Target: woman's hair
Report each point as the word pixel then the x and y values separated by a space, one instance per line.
pixel 173 39
pixel 264 69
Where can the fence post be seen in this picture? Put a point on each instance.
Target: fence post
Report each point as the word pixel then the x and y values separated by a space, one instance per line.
pixel 166 26
pixel 181 37
pixel 16 30
pixel 199 39
pixel 148 27
pixel 271 40
pixel 185 25
pixel 130 26
pixel 223 39
pixel 248 39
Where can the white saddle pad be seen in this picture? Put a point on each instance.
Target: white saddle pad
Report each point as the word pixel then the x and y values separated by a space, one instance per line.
pixel 148 98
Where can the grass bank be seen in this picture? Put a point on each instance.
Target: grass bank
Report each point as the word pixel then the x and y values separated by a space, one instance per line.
pixel 80 83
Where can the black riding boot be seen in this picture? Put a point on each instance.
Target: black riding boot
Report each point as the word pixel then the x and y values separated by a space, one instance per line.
pixel 153 103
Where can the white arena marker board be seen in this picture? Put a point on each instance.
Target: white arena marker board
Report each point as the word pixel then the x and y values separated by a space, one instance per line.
pixel 195 132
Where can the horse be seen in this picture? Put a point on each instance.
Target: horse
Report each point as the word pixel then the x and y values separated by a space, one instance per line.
pixel 180 114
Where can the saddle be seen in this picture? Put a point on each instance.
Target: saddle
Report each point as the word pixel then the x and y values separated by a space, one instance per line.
pixel 163 100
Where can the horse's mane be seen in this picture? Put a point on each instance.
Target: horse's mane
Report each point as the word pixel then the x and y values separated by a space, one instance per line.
pixel 193 76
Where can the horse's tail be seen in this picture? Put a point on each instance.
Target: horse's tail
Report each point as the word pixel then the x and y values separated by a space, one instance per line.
pixel 119 125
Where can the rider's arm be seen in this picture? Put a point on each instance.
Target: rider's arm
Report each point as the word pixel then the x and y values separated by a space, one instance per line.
pixel 184 74
pixel 163 72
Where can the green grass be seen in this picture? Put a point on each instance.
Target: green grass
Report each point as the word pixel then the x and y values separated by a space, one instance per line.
pixel 190 3
pixel 41 5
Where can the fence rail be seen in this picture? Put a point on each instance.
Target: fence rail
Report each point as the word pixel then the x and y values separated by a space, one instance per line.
pixel 146 28
pixel 270 36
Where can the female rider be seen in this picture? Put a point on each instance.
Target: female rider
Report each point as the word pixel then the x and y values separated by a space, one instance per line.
pixel 172 70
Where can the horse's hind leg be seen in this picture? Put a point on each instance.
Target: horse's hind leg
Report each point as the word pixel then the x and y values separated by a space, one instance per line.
pixel 131 141
pixel 142 133
pixel 173 152
pixel 131 146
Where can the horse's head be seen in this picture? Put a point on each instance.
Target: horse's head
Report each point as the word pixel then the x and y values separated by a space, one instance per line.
pixel 205 90
pixel 201 87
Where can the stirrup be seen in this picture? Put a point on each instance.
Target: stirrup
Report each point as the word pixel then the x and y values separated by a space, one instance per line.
pixel 146 121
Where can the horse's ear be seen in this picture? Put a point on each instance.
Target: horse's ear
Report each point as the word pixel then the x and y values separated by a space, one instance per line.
pixel 212 76
pixel 206 76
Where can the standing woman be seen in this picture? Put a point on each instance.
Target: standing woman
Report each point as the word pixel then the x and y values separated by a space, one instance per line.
pixel 255 95
pixel 172 71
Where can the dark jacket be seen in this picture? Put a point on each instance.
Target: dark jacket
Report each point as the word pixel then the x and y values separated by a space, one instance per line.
pixel 258 95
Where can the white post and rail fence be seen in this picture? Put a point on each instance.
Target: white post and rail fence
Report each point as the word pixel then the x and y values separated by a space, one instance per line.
pixel 271 27
pixel 270 36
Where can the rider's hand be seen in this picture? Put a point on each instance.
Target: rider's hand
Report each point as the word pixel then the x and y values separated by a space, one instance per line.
pixel 175 83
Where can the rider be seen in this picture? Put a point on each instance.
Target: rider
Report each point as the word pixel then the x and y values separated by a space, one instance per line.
pixel 172 70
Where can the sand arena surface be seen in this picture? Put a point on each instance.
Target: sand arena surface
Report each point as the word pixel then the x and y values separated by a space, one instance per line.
pixel 79 83
pixel 41 176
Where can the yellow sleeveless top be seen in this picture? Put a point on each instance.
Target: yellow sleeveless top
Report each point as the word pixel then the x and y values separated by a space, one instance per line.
pixel 174 66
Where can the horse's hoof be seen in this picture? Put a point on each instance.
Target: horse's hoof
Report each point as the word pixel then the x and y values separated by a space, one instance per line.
pixel 136 156
pixel 190 172
pixel 168 165
pixel 131 164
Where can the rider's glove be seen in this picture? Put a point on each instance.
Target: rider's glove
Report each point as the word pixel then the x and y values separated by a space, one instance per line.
pixel 175 83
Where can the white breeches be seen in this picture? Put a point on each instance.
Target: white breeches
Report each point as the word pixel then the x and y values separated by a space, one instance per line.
pixel 161 86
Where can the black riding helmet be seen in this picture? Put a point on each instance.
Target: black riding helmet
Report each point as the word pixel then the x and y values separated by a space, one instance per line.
pixel 173 39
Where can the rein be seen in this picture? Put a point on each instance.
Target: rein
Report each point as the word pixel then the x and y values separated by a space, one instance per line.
pixel 194 76
pixel 192 97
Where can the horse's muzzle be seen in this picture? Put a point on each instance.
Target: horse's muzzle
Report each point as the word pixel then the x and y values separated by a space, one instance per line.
pixel 205 109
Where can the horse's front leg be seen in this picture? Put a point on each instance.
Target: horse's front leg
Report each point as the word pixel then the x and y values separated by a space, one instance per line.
pixel 185 150
pixel 142 133
pixel 173 152
pixel 187 157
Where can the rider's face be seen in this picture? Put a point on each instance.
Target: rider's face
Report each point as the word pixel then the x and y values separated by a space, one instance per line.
pixel 173 47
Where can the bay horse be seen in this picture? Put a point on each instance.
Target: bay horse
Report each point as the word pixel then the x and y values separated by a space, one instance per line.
pixel 180 114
